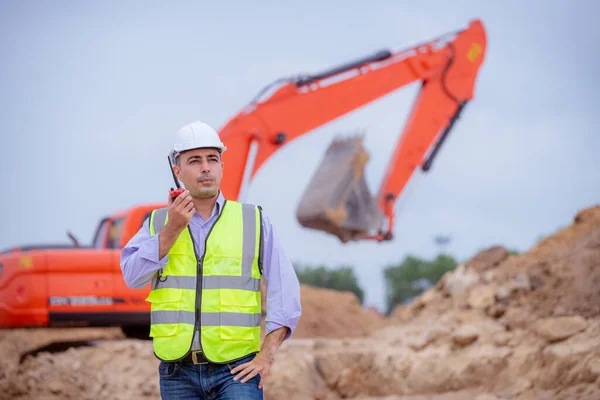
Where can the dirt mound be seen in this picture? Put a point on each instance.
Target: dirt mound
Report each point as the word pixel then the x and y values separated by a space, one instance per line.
pixel 445 359
pixel 558 276
pixel 332 314
pixel 499 326
pixel 109 370
pixel 84 363
pixel 15 344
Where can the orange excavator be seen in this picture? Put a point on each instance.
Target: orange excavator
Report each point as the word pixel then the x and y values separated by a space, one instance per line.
pixel 337 200
pixel 57 285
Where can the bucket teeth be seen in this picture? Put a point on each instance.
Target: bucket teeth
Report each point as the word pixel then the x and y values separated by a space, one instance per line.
pixel 337 199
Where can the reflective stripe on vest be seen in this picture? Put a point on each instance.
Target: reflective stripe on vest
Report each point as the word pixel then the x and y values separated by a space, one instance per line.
pixel 230 299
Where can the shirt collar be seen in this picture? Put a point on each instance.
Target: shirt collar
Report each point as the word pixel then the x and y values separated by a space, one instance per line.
pixel 219 203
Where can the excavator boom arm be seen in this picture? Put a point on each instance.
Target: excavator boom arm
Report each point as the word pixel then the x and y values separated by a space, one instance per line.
pixel 447 68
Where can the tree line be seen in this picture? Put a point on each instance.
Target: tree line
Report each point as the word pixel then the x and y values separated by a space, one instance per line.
pixel 403 281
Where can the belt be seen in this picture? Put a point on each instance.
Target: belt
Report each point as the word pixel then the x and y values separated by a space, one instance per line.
pixel 195 357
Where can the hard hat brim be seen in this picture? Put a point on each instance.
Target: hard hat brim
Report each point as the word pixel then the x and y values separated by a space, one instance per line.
pixel 221 149
pixel 176 153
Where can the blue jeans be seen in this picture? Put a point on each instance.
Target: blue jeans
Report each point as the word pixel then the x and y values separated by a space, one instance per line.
pixel 183 381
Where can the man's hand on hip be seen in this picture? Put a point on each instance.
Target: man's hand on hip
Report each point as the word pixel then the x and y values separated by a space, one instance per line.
pixel 261 364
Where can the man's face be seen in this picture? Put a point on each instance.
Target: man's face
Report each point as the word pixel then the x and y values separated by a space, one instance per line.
pixel 201 171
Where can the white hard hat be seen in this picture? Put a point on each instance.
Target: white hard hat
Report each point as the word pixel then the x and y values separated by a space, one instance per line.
pixel 194 136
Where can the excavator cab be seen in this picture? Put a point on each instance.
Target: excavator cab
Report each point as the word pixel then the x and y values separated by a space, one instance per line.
pixel 338 200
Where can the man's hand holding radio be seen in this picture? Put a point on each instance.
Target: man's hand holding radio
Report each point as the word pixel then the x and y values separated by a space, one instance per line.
pixel 180 214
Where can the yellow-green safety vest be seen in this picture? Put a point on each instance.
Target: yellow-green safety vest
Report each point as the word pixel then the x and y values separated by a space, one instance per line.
pixel 218 291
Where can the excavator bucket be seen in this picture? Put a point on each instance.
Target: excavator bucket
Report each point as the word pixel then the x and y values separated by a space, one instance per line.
pixel 337 199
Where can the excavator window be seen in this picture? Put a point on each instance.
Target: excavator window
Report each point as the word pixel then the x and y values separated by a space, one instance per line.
pixel 114 234
pixel 101 234
pixel 146 218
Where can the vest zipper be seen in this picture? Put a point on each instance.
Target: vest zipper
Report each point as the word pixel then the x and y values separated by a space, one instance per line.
pixel 199 299
pixel 199 274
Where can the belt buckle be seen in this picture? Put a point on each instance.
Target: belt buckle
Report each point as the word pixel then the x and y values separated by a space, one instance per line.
pixel 195 358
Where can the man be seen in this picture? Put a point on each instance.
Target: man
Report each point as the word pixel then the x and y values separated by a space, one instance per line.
pixel 205 256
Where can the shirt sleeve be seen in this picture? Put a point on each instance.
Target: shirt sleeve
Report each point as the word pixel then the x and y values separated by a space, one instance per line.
pixel 283 288
pixel 139 258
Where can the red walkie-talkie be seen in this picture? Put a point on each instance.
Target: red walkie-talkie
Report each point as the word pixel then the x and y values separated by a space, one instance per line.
pixel 179 190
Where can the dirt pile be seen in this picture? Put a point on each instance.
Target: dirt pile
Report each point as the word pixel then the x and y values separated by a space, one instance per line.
pixel 17 343
pixel 89 363
pixel 558 276
pixel 499 326
pixel 124 369
pixel 332 314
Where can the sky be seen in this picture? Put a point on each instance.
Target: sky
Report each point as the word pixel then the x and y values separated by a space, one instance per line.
pixel 93 92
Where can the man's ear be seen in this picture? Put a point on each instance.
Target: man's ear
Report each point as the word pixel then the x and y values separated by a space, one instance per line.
pixel 177 171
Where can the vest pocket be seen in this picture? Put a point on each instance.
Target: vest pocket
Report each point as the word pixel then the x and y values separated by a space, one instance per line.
pixel 237 301
pixel 237 308
pixel 165 311
pixel 180 247
pixel 237 333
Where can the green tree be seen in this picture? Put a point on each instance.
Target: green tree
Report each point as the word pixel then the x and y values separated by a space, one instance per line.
pixel 341 278
pixel 413 276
